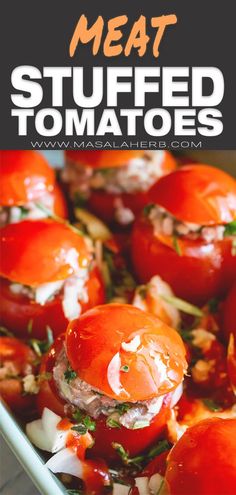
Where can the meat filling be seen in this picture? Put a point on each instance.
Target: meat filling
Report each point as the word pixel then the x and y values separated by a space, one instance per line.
pixel 137 175
pixel 166 224
pixel 80 394
pixel 29 211
pixel 73 291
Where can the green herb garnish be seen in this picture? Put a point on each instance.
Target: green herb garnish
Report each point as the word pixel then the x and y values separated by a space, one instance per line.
pixel 70 375
pixel 40 347
pixel 85 423
pixel 112 423
pixel 186 335
pixel 158 449
pixel 230 228
pixel 122 408
pixel 176 245
pixel 23 212
pixel 125 368
pixel 211 405
pixel 182 305
pixel 58 219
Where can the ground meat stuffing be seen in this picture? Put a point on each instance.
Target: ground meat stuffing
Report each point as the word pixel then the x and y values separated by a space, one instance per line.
pixel 139 174
pixel 29 211
pixel 81 395
pixel 166 224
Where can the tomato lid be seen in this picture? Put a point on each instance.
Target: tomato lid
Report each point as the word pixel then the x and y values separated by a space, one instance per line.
pixel 41 251
pixel 198 194
pixel 103 158
pixel 25 176
pixel 127 354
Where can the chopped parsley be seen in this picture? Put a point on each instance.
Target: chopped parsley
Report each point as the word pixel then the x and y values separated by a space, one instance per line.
pixel 142 291
pixel 70 375
pixel 125 368
pixel 74 492
pixel 230 228
pixel 122 408
pixel 112 423
pixel 176 245
pixel 85 423
pixel 186 335
pixel 23 212
pixel 211 405
pixel 80 200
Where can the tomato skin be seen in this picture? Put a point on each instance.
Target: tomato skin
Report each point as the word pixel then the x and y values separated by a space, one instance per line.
pixel 94 343
pixel 204 458
pixel 103 204
pixel 25 176
pixel 157 465
pixel 16 310
pixel 14 351
pixel 60 206
pixel 203 271
pixel 134 441
pixel 103 158
pixel 198 194
pixel 61 252
pixel 229 313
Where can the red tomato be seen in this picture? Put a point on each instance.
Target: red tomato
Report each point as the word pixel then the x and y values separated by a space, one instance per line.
pixel 103 158
pixel 96 348
pixel 203 461
pixel 25 176
pixel 198 194
pixel 134 441
pixel 229 313
pixel 41 251
pixel 60 207
pixel 17 311
pixel 18 360
pixel 157 465
pixel 201 272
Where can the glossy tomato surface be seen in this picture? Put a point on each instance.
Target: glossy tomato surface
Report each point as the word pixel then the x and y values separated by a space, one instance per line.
pixel 200 272
pixel 105 339
pixel 19 359
pixel 203 462
pixel 25 176
pixel 134 441
pixel 197 194
pixel 41 251
pixel 103 158
pixel 18 312
pixel 60 206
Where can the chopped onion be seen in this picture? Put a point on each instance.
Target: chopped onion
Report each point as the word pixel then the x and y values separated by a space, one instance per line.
pixel 67 462
pixel 142 484
pixel 45 291
pixel 119 489
pixel 133 345
pixel 44 432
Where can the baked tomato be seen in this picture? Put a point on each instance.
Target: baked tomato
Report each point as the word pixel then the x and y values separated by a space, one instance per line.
pixel 35 254
pixel 117 354
pixel 198 194
pixel 17 361
pixel 18 312
pixel 197 273
pixel 203 461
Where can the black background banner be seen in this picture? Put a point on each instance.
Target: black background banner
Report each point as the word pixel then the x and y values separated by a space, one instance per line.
pixel 38 33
